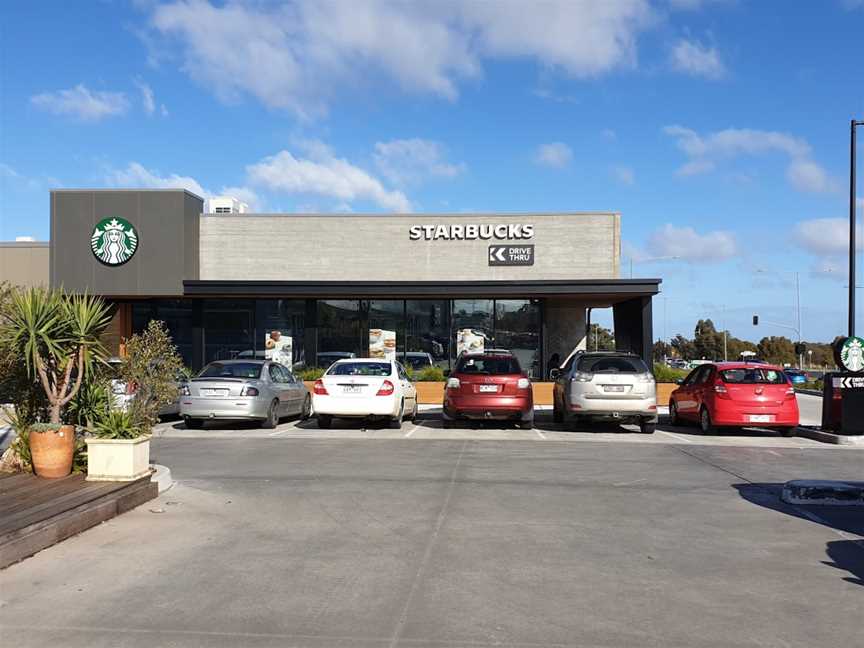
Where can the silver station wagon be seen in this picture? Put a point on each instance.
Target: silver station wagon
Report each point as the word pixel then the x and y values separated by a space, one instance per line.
pixel 244 390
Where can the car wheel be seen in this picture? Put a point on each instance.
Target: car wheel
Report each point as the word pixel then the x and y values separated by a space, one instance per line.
pixel 557 414
pixel 525 425
pixel 324 421
pixel 647 427
pixel 272 419
pixel 415 411
pixel 306 412
pixel 396 422
pixel 705 423
pixel 193 424
pixel 674 418
pixel 788 431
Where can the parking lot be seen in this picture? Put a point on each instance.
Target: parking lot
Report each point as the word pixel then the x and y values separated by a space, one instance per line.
pixel 458 542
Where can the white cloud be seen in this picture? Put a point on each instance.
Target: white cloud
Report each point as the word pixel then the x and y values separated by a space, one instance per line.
pixel 687 244
pixel 410 161
pixel 555 154
pixel 323 174
pixel 294 56
pixel 147 100
pixel 825 236
pixel 624 175
pixel 696 59
pixel 705 152
pixel 80 102
pixel 9 174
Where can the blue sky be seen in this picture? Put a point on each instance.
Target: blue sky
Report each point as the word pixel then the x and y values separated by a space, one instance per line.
pixel 719 128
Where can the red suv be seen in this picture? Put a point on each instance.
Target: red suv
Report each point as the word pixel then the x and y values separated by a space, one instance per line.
pixel 736 394
pixel 490 386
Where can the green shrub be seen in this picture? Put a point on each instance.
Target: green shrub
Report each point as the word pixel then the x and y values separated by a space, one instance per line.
pixel 428 374
pixel 309 373
pixel 90 403
pixel 117 424
pixel 666 374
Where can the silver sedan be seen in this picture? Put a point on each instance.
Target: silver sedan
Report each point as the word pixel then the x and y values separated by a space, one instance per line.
pixel 244 390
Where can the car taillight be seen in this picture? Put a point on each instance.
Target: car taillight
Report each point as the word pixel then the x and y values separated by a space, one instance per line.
pixel 184 390
pixel 319 388
pixel 453 383
pixel 720 390
pixel 523 383
pixel 249 391
pixel 645 378
pixel 790 393
pixel 387 389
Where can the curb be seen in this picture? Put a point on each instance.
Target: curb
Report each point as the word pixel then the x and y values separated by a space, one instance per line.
pixel 162 477
pixel 823 492
pixel 829 437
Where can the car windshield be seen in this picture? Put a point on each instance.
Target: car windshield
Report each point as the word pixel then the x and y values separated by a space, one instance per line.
pixel 232 370
pixel 490 365
pixel 417 362
pixel 611 364
pixel 753 376
pixel 360 369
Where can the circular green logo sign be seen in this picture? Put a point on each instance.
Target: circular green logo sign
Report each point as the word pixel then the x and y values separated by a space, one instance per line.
pixel 852 354
pixel 113 241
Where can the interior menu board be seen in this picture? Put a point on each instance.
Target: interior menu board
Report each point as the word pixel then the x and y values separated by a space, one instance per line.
pixel 279 348
pixel 469 341
pixel 382 344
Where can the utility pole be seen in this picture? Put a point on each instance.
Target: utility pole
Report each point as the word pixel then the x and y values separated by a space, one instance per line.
pixel 852 237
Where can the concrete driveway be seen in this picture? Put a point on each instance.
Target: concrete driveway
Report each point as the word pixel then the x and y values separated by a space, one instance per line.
pixel 422 543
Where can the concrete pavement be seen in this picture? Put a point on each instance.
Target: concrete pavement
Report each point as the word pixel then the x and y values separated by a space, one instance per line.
pixel 421 543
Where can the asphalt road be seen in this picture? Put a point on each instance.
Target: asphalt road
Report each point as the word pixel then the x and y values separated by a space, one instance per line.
pixel 422 543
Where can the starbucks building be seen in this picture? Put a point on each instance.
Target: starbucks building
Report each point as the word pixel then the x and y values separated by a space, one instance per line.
pixel 425 286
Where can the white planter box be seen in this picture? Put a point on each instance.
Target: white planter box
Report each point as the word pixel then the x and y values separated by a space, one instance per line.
pixel 118 459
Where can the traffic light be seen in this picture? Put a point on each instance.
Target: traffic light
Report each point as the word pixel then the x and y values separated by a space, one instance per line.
pixel 800 349
pixel 755 320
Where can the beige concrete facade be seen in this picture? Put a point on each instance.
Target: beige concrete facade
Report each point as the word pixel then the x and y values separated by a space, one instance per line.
pixel 379 247
pixel 24 263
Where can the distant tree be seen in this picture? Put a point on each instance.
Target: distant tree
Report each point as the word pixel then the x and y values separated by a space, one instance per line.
pixel 734 347
pixel 683 347
pixel 707 341
pixel 600 339
pixel 662 350
pixel 777 350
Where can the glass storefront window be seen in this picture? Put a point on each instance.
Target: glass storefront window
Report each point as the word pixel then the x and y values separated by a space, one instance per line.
pixel 288 316
pixel 229 329
pixel 176 314
pixel 517 329
pixel 339 334
pixel 472 319
pixel 389 315
pixel 427 333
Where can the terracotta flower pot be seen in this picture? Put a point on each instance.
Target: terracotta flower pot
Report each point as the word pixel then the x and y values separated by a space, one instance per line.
pixel 52 451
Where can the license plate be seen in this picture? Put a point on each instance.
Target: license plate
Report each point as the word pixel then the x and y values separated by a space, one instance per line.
pixel 351 389
pixel 488 388
pixel 613 388
pixel 761 418
pixel 214 392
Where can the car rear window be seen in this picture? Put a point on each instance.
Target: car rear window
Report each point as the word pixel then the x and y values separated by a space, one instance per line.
pixel 232 370
pixel 360 369
pixel 753 376
pixel 489 365
pixel 611 364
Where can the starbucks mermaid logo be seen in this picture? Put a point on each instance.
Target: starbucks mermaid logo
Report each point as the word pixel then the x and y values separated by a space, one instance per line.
pixel 852 354
pixel 113 241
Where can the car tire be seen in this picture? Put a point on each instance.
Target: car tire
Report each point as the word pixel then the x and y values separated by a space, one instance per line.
pixel 525 425
pixel 787 431
pixel 306 412
pixel 414 412
pixel 705 422
pixel 193 424
pixel 647 427
pixel 674 418
pixel 324 421
pixel 396 422
pixel 272 419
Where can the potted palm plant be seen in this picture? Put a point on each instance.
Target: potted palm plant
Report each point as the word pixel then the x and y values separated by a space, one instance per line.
pixel 57 335
pixel 119 446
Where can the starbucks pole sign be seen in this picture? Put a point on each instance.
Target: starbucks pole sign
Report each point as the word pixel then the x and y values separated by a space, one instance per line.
pixel 113 241
pixel 849 354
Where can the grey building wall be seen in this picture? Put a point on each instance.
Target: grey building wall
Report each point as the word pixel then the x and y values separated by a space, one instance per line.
pixel 167 225
pixel 24 264
pixel 298 247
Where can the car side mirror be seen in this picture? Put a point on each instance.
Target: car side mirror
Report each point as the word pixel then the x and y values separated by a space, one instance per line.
pixel 679 381
pixel 554 374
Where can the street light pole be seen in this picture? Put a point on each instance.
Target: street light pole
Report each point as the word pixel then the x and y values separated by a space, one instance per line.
pixel 852 239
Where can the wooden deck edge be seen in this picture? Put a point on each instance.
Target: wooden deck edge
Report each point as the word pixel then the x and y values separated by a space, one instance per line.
pixel 57 528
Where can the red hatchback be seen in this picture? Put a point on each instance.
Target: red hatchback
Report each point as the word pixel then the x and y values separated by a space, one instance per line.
pixel 736 394
pixel 490 386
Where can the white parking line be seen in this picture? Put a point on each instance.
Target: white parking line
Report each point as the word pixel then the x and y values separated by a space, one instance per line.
pixel 411 431
pixel 675 436
pixel 540 434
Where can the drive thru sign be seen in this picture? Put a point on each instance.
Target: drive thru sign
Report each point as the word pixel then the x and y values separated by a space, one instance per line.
pixel 511 255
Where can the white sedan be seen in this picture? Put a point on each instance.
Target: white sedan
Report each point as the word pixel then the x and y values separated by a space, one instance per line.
pixel 364 388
